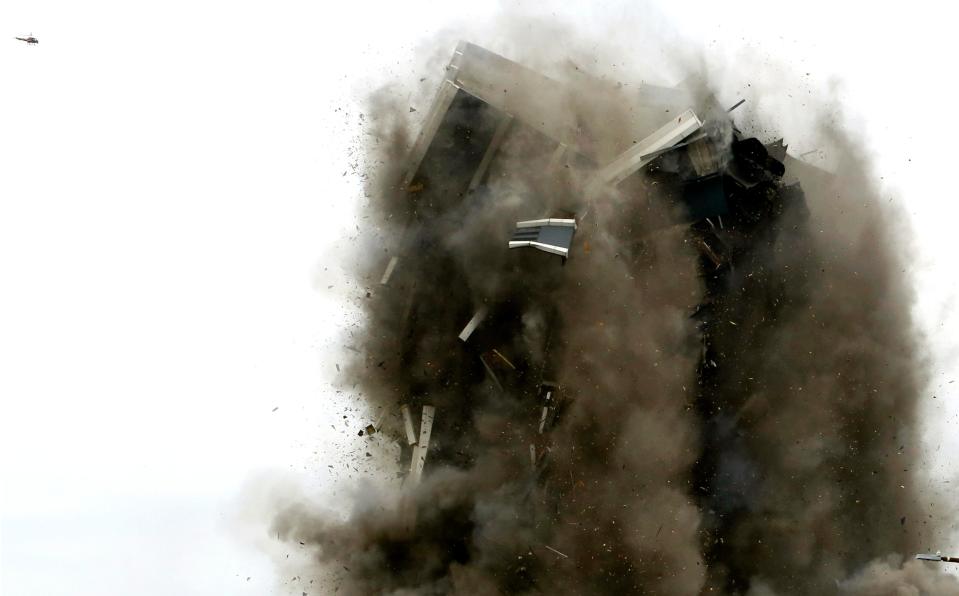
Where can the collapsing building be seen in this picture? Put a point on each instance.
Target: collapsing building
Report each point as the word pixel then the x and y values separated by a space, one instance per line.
pixel 533 426
pixel 728 189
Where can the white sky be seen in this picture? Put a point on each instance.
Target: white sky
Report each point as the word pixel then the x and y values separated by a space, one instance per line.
pixel 173 212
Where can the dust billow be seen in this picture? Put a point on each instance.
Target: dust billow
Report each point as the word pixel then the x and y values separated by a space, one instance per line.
pixel 777 459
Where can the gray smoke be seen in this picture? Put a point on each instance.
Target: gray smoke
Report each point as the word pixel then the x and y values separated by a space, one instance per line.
pixel 775 460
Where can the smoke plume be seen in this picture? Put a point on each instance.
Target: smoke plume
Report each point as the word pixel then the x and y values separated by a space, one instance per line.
pixel 732 423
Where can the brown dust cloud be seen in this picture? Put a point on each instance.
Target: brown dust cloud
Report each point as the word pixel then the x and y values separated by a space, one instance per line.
pixel 732 399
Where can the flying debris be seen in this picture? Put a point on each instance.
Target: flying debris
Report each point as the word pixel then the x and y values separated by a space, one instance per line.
pixel 938 557
pixel 422 445
pixel 29 39
pixel 389 271
pixel 473 324
pixel 736 105
pixel 645 151
pixel 549 235
pixel 408 424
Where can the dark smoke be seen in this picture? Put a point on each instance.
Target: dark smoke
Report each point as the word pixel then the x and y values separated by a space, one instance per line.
pixel 764 445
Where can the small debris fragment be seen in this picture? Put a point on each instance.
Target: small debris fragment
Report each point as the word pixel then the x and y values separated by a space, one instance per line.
pixel 556 551
pixel 473 324
pixel 738 103
pixel 938 557
pixel 389 271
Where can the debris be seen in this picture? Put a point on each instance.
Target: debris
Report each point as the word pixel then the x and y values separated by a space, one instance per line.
pixel 549 235
pixel 389 271
pixel 641 154
pixel 408 424
pixel 738 103
pixel 276 408
pixel 547 396
pixel 556 551
pixel 938 557
pixel 422 445
pixel 704 159
pixel 503 358
pixel 709 253
pixel 490 372
pixel 30 39
pixel 473 323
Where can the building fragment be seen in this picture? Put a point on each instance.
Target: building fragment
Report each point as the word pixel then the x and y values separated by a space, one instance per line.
pixel 408 424
pixel 938 557
pixel 644 152
pixel 422 445
pixel 554 236
pixel 473 324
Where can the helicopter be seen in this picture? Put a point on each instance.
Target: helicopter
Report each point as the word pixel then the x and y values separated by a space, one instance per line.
pixel 29 39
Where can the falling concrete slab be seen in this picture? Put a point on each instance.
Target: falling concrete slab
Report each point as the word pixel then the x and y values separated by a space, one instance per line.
pixel 554 236
pixel 408 425
pixel 389 271
pixel 422 445
pixel 938 557
pixel 643 152
pixel 473 323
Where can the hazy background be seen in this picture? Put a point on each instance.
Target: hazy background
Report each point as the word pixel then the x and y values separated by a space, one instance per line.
pixel 179 183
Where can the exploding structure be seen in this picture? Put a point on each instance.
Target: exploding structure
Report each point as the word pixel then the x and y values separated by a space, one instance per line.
pixel 620 410
pixel 728 189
